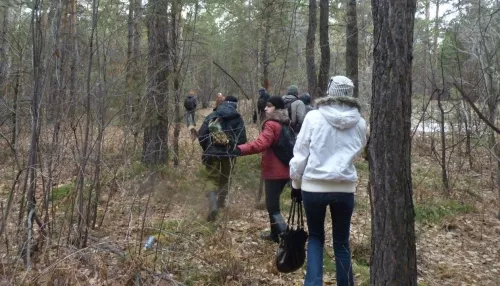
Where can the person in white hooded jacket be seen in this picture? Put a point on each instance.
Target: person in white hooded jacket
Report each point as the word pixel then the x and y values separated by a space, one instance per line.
pixel 322 167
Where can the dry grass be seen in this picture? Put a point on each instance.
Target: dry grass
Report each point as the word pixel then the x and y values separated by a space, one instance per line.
pixel 454 246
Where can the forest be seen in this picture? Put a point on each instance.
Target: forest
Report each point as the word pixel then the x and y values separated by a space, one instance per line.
pixel 96 158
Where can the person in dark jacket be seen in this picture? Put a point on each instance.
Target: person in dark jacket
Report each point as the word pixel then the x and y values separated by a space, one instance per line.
pixel 218 158
pixel 190 106
pixel 306 99
pixel 275 173
pixel 261 105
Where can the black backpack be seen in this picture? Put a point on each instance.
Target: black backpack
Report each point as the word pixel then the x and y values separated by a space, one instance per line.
pixel 288 106
pixel 190 103
pixel 283 148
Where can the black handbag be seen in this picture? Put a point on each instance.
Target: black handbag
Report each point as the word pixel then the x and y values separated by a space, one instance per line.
pixel 291 252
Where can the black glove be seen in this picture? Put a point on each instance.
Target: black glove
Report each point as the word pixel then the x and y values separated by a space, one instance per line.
pixel 235 152
pixel 296 195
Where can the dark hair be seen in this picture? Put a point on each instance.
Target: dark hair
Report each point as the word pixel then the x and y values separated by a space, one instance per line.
pixel 305 98
pixel 231 98
pixel 277 102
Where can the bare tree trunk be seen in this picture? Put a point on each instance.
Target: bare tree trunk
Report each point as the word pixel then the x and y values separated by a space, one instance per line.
pixel 15 101
pixel 265 44
pixel 102 91
pixel 4 21
pixel 426 67
pixel 155 144
pixel 138 75
pixel 351 52
pixel 324 67
pixel 130 41
pixel 310 49
pixel 37 42
pixel 127 115
pixel 444 169
pixel 175 54
pixel 436 33
pixel 291 32
pixel 84 215
pixel 393 259
pixel 468 132
pixel 74 59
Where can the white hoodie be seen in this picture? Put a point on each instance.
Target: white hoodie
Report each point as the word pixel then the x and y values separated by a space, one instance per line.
pixel 329 141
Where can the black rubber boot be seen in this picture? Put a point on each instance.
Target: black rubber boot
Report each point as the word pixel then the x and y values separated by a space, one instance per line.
pixel 278 227
pixel 212 206
pixel 279 224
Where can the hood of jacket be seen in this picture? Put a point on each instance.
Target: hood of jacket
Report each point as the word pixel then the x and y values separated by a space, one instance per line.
pixel 340 111
pixel 289 98
pixel 278 115
pixel 227 110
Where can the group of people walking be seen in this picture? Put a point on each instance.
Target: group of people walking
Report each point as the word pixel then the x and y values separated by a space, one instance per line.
pixel 328 137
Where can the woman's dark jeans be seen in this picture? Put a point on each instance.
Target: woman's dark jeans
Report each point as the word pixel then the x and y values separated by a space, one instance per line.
pixel 341 208
pixel 274 188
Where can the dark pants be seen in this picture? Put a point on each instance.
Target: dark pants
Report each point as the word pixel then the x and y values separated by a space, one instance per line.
pixel 218 172
pixel 190 114
pixel 273 191
pixel 341 207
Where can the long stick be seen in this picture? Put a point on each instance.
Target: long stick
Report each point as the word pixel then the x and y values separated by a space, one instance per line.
pixel 232 78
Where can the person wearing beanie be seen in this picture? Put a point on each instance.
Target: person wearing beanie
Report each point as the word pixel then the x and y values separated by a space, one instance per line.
pixel 231 98
pixel 221 131
pixel 261 105
pixel 340 85
pixel 296 108
pixel 274 172
pixel 324 176
pixel 306 99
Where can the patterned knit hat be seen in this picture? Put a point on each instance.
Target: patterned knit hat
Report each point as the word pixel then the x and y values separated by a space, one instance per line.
pixel 340 86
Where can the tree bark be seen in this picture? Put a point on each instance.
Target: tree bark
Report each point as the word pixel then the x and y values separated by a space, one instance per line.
pixel 324 67
pixel 265 45
pixel 74 59
pixel 442 124
pixel 393 259
pixel 130 43
pixel 155 144
pixel 351 52
pixel 175 57
pixel 4 16
pixel 436 34
pixel 32 164
pixel 310 48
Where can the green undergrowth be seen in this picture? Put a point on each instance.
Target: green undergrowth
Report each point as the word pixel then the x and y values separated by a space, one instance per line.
pixel 435 211
pixel 61 192
pixel 361 269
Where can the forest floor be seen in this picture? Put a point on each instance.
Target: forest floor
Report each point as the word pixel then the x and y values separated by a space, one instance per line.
pixel 458 236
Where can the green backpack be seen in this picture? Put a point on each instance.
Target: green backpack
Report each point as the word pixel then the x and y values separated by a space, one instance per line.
pixel 217 135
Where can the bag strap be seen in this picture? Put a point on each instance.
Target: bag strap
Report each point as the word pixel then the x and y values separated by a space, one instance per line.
pixel 301 215
pixel 291 215
pixel 296 210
